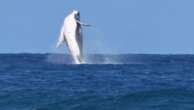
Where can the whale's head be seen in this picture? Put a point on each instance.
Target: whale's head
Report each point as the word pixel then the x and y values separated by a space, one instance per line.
pixel 76 14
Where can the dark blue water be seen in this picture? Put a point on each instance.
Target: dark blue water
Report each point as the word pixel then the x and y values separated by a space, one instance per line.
pixel 108 82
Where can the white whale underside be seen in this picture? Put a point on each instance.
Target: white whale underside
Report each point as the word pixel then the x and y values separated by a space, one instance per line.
pixel 71 34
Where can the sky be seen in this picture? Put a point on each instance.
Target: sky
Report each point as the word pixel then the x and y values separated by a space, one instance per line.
pixel 120 26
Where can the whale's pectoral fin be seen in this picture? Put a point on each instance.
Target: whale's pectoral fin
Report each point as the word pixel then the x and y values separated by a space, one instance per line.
pixel 61 39
pixel 84 24
pixel 59 44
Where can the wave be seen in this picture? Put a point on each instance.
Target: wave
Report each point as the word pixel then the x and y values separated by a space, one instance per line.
pixel 98 59
pixel 154 99
pixel 95 59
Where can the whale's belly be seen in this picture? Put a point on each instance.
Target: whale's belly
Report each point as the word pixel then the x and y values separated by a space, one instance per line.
pixel 72 41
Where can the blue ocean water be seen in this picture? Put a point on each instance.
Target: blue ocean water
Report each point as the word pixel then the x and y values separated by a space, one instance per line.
pixel 107 82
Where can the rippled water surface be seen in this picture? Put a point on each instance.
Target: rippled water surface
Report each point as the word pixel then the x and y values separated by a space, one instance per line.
pixel 105 82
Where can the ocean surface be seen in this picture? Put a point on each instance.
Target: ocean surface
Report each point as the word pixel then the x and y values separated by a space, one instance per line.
pixel 105 82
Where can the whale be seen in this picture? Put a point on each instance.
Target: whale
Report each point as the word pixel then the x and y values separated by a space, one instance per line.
pixel 71 34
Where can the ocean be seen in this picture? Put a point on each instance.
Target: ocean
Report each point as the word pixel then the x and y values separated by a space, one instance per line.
pixel 105 82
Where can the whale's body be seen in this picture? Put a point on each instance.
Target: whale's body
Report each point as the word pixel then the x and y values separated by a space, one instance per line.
pixel 71 34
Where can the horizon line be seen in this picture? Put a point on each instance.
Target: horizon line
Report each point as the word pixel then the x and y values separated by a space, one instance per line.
pixel 100 53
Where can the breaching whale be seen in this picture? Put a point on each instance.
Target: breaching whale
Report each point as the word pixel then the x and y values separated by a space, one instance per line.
pixel 71 33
